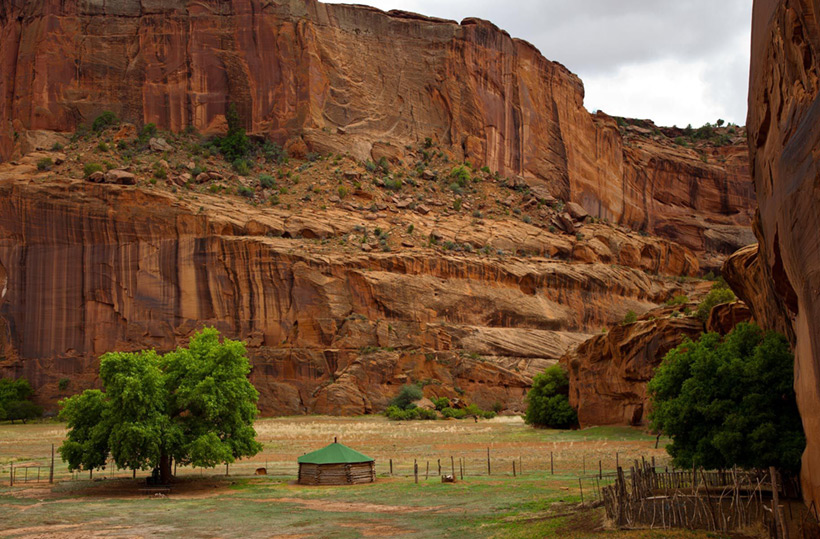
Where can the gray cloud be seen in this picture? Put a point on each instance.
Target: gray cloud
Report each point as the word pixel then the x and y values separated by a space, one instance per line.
pixel 600 39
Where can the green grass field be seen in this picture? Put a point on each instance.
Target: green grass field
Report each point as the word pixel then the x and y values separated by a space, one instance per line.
pixel 206 503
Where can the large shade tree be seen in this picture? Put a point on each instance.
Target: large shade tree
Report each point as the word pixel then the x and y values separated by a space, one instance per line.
pixel 194 405
pixel 729 401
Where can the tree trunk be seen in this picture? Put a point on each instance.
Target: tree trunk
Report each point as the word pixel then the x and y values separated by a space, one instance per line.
pixel 165 469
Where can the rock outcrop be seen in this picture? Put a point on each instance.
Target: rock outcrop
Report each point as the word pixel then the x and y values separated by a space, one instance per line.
pixel 608 374
pixel 784 139
pixel 326 78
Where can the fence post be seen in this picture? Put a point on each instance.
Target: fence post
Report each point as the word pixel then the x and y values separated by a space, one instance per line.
pixel 452 466
pixel 584 465
pixel 461 467
pixel 438 461
pixel 489 469
pixel 51 471
pixel 391 467
pixel 427 473
pixel 514 468
pixel 11 477
pixel 778 524
pixel 552 469
pixel 600 471
pixel 581 488
pixel 416 471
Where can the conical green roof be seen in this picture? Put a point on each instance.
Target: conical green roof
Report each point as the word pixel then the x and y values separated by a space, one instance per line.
pixel 335 453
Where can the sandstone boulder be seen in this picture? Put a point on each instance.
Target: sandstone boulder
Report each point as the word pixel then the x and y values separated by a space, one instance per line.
pixel 158 144
pixel 120 177
pixel 576 211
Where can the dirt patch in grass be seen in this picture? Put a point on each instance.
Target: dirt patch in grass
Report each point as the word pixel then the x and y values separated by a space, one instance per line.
pixel 375 529
pixel 349 507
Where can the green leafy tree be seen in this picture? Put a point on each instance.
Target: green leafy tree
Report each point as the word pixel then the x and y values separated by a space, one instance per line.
pixel 194 405
pixel 548 402
pixel 727 402
pixel 14 401
pixel 407 395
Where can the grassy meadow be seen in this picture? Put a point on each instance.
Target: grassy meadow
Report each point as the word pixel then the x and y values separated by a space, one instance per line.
pixel 207 503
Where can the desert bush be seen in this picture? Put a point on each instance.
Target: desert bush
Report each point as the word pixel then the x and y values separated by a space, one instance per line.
pixel 441 403
pixel 267 181
pixel 630 318
pixel 241 167
pixel 461 176
pixel 407 395
pixel 104 121
pixel 45 163
pixel 717 296
pixel 246 192
pixel 91 168
pixel 679 299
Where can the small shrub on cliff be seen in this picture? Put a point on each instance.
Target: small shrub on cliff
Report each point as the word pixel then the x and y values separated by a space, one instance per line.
pixel 729 401
pixel 407 395
pixel 45 163
pixel 104 121
pixel 91 168
pixel 679 299
pixel 274 153
pixel 241 167
pixel 461 176
pixel 235 144
pixel 716 296
pixel 630 318
pixel 548 402
pixel 267 181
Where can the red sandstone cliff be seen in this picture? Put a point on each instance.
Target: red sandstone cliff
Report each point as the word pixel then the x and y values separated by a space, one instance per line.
pixel 355 79
pixel 781 281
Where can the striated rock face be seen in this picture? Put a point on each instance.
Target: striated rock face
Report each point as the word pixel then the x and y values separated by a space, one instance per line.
pixel 326 78
pixel 87 268
pixel 784 115
pixel 608 373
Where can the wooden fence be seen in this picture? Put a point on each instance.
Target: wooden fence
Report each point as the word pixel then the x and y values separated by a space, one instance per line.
pixel 719 501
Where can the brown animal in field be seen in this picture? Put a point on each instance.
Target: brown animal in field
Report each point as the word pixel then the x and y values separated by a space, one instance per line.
pixel 261 471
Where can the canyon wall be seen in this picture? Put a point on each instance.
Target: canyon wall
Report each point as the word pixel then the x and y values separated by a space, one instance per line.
pixel 784 138
pixel 355 79
pixel 88 268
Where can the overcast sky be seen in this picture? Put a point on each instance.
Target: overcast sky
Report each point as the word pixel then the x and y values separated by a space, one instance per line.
pixel 673 61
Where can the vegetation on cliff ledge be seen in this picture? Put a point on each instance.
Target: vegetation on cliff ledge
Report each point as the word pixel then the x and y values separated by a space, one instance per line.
pixel 729 402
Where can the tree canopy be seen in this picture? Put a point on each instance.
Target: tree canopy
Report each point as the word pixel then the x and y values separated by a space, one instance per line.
pixel 730 401
pixel 548 402
pixel 194 405
pixel 14 401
